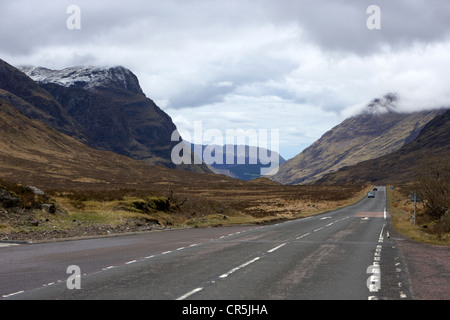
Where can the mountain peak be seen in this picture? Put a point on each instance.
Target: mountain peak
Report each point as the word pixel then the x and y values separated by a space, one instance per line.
pixel 86 77
pixel 382 105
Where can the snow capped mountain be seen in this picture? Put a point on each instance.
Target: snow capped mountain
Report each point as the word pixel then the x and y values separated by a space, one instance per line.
pixel 85 77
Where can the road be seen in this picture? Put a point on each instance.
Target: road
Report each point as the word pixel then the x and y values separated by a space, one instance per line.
pixel 344 254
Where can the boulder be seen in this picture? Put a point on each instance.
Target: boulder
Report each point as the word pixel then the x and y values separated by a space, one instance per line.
pixel 36 191
pixel 7 200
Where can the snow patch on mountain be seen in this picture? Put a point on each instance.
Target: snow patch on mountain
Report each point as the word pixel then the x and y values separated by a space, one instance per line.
pixel 85 77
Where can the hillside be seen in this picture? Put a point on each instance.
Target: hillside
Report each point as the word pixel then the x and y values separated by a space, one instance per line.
pixel 112 110
pixel 375 132
pixel 33 153
pixel 432 145
pixel 35 102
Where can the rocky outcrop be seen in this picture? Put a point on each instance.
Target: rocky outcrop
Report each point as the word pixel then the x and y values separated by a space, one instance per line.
pixel 7 200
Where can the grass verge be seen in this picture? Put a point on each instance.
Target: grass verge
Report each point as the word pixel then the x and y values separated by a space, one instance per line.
pixel 402 213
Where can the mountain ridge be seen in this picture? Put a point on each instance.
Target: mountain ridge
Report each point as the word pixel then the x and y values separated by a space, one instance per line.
pixel 86 77
pixel 364 136
pixel 430 146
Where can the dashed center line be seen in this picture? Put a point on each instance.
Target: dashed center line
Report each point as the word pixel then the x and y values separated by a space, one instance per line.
pixel 302 236
pixel 12 294
pixel 190 293
pixel 239 267
pixel 276 248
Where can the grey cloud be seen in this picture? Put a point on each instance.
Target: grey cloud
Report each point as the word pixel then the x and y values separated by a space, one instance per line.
pixel 218 41
pixel 341 25
pixel 334 25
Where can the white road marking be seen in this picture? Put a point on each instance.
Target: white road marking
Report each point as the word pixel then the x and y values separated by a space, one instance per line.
pixel 107 268
pixel 190 293
pixel 302 236
pixel 12 294
pixel 4 245
pixel 130 262
pixel 239 267
pixel 276 248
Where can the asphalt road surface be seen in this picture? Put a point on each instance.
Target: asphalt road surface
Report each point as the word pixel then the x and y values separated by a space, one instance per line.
pixel 344 254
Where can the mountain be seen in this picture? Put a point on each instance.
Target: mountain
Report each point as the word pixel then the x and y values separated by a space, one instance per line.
pixel 35 102
pixel 432 145
pixel 244 162
pixel 110 107
pixel 376 131
pixel 34 153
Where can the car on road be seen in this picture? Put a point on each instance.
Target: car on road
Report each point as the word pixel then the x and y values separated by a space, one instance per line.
pixel 371 195
pixel 375 189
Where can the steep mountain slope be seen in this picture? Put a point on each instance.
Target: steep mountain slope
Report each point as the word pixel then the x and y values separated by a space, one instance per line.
pixel 35 102
pixel 34 153
pixel 373 133
pixel 110 106
pixel 432 145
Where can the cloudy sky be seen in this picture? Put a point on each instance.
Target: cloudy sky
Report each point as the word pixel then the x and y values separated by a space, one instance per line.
pixel 299 66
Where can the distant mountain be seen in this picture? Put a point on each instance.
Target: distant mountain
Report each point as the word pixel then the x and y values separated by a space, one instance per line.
pixel 432 145
pixel 376 131
pixel 245 162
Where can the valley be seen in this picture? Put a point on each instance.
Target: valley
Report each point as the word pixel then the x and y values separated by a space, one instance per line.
pixel 86 173
pixel 100 151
